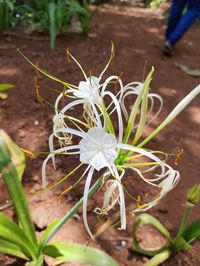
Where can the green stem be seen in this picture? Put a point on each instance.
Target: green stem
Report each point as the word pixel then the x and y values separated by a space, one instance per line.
pixel 185 218
pixel 73 210
pixel 159 258
pixel 16 192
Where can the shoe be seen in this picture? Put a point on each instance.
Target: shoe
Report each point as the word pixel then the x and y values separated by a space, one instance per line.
pixel 168 49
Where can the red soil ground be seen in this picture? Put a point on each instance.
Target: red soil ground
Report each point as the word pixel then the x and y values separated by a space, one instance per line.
pixel 138 37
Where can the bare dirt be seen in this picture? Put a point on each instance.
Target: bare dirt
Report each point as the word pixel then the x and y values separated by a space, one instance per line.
pixel 138 37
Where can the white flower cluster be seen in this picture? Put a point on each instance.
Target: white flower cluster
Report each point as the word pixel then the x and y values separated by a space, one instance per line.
pixel 107 136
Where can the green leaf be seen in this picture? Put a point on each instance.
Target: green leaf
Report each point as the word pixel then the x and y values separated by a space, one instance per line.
pixel 4 87
pixel 10 232
pixel 52 26
pixel 192 232
pixel 79 254
pixel 148 219
pixel 17 156
pixel 9 248
pixel 16 192
pixel 159 258
pixel 179 243
pixel 193 194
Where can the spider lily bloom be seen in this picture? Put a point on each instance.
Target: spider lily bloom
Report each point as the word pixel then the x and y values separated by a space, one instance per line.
pixel 101 149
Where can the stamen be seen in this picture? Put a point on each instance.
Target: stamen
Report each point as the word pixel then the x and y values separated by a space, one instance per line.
pixel 37 88
pixel 67 54
pixel 89 116
pixel 63 193
pixel 140 206
pixel 30 153
pixel 178 156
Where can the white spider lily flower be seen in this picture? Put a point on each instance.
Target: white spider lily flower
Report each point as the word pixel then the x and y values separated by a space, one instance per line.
pixel 99 149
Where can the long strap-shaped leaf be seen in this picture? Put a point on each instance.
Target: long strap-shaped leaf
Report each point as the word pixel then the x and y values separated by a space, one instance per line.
pixel 16 192
pixel 10 232
pixel 11 249
pixel 16 155
pixel 79 254
pixel 149 219
pixel 192 232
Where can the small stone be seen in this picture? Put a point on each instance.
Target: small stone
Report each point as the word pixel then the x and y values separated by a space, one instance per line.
pixel 120 245
pixel 36 187
pixel 22 133
pixel 8 39
pixel 36 122
pixel 40 217
pixel 144 259
pixel 36 178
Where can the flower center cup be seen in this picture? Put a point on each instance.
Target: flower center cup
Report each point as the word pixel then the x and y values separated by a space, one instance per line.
pixel 98 148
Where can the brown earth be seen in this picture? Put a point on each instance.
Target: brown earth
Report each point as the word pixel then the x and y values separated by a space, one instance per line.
pixel 138 38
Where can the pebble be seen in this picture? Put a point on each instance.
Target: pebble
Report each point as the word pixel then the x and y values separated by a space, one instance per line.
pixel 40 217
pixel 36 122
pixel 36 178
pixel 120 245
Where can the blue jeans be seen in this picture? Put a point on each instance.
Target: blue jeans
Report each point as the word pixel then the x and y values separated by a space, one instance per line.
pixel 178 22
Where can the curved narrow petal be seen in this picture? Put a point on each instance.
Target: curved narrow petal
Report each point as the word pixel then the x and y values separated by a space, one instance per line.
pixel 97 116
pixel 119 114
pixel 70 131
pixel 121 199
pixel 85 200
pixel 74 147
pixel 143 152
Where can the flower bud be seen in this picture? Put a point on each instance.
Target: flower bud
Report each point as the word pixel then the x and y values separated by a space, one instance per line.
pixel 193 194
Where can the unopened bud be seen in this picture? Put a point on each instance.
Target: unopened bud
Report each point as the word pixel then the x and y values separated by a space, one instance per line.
pixel 193 194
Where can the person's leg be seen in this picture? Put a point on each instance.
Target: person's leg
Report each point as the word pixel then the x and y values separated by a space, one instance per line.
pixel 175 15
pixel 184 24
